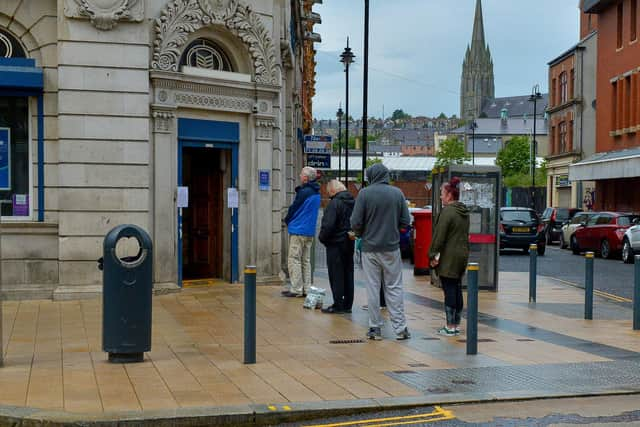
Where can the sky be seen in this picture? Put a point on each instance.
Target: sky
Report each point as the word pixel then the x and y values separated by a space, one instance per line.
pixel 416 49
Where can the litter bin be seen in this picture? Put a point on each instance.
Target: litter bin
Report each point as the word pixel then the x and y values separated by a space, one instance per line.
pixel 422 220
pixel 126 301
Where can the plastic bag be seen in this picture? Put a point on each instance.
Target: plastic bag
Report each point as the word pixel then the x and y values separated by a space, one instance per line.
pixel 315 298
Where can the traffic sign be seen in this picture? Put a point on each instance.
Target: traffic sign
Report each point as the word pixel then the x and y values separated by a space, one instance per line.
pixel 318 144
pixel 319 161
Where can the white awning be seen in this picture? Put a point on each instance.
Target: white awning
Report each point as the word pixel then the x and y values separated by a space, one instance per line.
pixel 610 165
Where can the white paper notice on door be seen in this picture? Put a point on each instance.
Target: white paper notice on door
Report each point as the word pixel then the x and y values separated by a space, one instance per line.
pixel 232 197
pixel 183 197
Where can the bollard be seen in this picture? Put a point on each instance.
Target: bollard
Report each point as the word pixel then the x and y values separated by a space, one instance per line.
pixel 250 314
pixel 636 294
pixel 588 286
pixel 472 308
pixel 533 271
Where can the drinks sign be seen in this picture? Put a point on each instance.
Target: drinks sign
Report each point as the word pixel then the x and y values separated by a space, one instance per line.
pixel 317 144
pixel 5 159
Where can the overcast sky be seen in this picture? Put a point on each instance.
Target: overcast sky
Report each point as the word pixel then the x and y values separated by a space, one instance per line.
pixel 416 48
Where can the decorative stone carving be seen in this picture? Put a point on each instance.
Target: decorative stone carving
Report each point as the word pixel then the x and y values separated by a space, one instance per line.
pixel 241 105
pixel 163 120
pixel 264 129
pixel 105 14
pixel 183 17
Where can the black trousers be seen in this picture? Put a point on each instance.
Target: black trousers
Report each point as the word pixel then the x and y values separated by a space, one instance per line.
pixel 453 300
pixel 340 266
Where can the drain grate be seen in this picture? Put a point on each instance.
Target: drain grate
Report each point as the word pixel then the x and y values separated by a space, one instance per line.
pixel 467 382
pixel 404 372
pixel 438 390
pixel 479 340
pixel 525 340
pixel 347 341
pixel 417 365
pixel 431 339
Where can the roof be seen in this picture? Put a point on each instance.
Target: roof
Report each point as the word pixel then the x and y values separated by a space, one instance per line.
pixel 608 165
pixel 516 106
pixel 407 163
pixel 597 6
pixel 513 126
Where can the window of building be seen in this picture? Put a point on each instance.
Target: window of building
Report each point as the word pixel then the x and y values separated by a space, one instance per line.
pixel 554 93
pixel 564 90
pixel 572 84
pixel 563 137
pixel 614 106
pixel 202 53
pixel 627 102
pixel 633 20
pixel 570 136
pixel 554 150
pixel 15 161
pixel 619 27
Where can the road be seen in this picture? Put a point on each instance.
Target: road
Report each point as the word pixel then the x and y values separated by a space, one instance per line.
pixel 600 411
pixel 610 275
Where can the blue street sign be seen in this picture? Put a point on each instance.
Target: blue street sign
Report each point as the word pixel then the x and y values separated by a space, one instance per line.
pixel 318 144
pixel 264 179
pixel 5 159
pixel 319 161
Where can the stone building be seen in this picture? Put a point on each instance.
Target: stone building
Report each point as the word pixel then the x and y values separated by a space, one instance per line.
pixel 477 82
pixel 112 110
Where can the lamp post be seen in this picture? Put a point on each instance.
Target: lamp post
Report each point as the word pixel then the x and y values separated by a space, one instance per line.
pixel 365 90
pixel 535 96
pixel 472 126
pixel 339 115
pixel 347 58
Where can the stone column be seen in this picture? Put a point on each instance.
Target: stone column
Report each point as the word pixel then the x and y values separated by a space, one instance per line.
pixel 164 213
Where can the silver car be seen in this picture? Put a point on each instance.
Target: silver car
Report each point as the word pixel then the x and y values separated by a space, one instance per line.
pixel 631 242
pixel 571 226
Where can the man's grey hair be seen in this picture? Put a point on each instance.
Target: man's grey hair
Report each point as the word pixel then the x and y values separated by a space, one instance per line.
pixel 334 187
pixel 309 172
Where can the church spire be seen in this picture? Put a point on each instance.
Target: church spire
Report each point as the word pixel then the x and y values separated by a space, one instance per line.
pixel 478 28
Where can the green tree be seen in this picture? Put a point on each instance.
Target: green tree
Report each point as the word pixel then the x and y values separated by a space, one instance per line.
pixel 399 115
pixel 451 152
pixel 515 156
pixel 442 116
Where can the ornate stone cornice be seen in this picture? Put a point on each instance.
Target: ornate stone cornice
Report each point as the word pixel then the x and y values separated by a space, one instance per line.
pixel 105 14
pixel 163 118
pixel 180 18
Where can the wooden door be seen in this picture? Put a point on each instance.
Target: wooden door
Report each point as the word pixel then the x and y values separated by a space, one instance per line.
pixel 202 220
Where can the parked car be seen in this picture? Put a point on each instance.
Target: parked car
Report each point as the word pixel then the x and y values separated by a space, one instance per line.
pixel 519 228
pixel 570 227
pixel 554 219
pixel 602 233
pixel 631 242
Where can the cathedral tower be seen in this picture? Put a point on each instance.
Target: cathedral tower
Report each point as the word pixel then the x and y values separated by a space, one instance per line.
pixel 476 85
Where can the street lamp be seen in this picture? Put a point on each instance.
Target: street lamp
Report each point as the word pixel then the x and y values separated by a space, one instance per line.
pixel 535 96
pixel 347 58
pixel 472 126
pixel 339 115
pixel 365 90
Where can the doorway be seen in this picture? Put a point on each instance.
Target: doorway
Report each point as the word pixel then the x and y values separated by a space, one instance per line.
pixel 202 220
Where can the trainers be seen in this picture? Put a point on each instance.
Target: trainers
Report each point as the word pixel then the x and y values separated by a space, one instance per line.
pixel 446 332
pixel 374 334
pixel 292 295
pixel 404 335
pixel 457 330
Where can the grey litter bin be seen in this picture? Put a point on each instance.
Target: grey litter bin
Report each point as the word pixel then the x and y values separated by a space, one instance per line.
pixel 126 302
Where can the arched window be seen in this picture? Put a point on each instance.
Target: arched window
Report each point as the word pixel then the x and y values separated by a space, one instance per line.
pixel 203 53
pixel 9 46
pixel 563 88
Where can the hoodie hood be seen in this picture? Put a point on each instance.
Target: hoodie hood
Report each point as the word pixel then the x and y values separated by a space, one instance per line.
pixel 346 197
pixel 460 208
pixel 378 174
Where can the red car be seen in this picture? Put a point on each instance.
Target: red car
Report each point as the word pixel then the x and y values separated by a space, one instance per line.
pixel 602 233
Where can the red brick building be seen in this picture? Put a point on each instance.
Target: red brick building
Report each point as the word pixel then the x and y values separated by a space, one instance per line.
pixel 616 165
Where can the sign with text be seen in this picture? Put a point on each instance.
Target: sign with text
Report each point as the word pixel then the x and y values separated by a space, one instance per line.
pixel 319 161
pixel 317 144
pixel 264 177
pixel 5 159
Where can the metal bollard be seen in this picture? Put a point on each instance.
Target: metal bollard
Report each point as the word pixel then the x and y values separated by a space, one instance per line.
pixel 533 271
pixel 636 294
pixel 588 286
pixel 250 314
pixel 472 308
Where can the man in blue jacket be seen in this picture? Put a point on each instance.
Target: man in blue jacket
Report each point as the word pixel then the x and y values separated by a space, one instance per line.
pixel 301 223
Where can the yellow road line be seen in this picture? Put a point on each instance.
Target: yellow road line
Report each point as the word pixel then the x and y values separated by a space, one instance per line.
pixel 595 291
pixel 438 415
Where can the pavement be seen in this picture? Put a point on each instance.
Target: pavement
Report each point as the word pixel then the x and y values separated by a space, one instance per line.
pixel 309 364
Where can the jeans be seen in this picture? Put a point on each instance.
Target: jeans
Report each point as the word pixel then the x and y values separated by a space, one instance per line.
pixel 453 300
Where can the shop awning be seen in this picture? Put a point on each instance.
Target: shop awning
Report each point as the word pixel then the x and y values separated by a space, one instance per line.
pixel 609 165
pixel 20 74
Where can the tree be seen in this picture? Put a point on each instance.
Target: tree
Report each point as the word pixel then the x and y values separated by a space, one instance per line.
pixel 399 115
pixel 515 156
pixel 442 116
pixel 451 152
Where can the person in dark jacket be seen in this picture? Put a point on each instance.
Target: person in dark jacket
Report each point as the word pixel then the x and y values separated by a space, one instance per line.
pixel 334 235
pixel 378 215
pixel 449 252
pixel 301 223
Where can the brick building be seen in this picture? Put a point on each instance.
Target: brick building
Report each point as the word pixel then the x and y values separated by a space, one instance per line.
pixel 616 164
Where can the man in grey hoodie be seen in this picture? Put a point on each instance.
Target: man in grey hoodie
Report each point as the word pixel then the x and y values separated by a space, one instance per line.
pixel 379 214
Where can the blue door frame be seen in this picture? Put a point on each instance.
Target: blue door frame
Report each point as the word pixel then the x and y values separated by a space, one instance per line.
pixel 210 134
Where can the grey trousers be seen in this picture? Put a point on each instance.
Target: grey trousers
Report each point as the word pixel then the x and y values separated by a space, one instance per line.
pixel 384 267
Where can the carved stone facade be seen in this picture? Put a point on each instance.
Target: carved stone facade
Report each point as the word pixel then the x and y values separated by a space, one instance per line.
pixel 115 113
